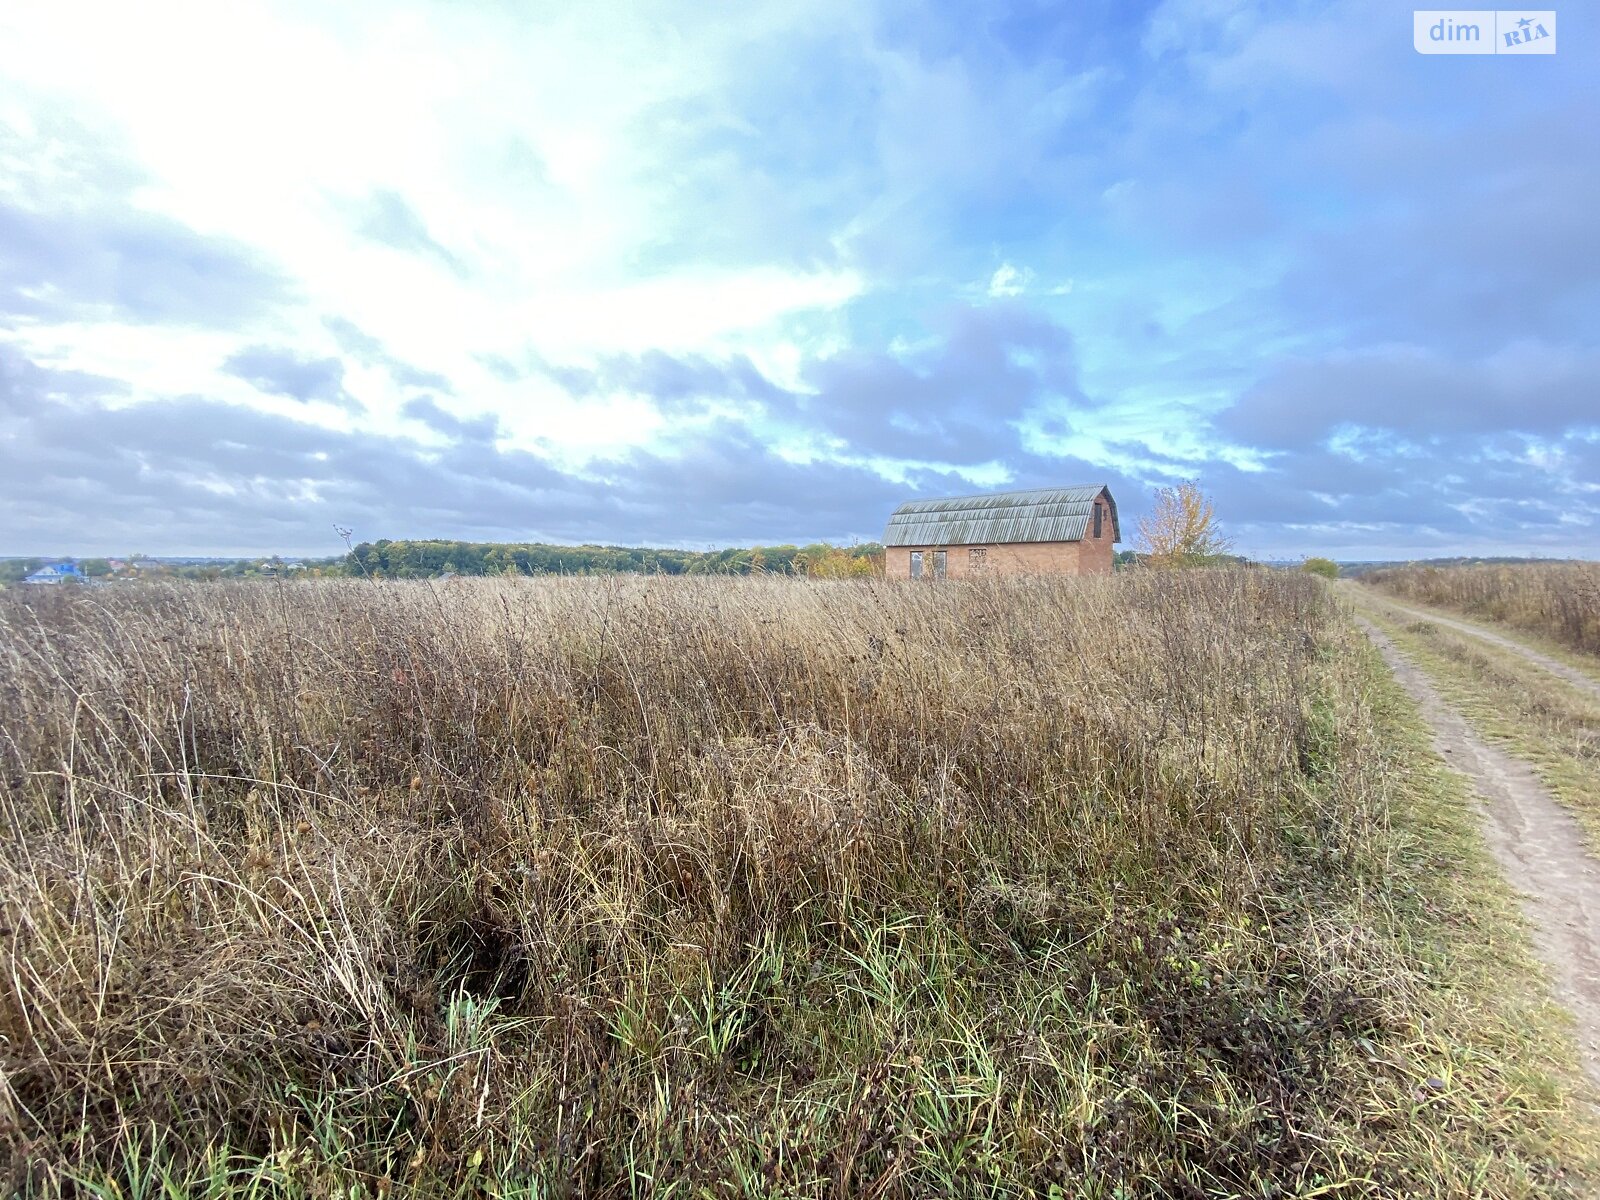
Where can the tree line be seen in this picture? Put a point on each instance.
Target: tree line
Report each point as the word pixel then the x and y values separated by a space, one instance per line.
pixel 421 559
pixel 430 558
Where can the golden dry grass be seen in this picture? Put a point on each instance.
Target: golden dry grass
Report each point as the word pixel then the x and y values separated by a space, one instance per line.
pixel 1559 601
pixel 627 887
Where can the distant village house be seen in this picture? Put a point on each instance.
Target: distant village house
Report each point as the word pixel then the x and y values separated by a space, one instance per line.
pixel 56 573
pixel 1044 531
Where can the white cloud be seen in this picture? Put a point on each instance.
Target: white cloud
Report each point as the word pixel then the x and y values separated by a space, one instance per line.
pixel 532 148
pixel 1008 281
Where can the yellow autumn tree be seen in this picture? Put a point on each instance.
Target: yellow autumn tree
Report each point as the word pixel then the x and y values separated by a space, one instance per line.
pixel 1181 528
pixel 823 561
pixel 866 566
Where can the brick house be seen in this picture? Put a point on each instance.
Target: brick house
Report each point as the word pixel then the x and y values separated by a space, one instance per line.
pixel 1044 531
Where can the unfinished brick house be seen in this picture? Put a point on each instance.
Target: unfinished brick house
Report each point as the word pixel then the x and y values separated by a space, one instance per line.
pixel 1045 531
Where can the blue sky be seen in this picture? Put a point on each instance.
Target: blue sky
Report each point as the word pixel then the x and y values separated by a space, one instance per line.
pixel 716 274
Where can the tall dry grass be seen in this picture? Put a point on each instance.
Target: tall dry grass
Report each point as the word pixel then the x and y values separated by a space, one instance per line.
pixel 1555 600
pixel 725 887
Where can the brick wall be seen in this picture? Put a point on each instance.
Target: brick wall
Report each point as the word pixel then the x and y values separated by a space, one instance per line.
pixel 1096 553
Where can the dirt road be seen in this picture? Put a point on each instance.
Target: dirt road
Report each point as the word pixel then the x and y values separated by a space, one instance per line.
pixel 1538 845
pixel 1579 680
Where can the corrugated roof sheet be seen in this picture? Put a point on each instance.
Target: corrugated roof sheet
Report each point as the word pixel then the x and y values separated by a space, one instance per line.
pixel 1037 515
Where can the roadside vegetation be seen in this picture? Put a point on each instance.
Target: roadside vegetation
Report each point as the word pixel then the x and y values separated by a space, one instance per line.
pixel 1136 886
pixel 1516 703
pixel 1559 601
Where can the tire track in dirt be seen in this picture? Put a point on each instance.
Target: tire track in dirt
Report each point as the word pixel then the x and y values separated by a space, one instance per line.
pixel 1537 844
pixel 1572 675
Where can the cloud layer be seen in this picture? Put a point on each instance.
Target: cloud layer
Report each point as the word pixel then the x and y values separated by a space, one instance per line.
pixel 740 274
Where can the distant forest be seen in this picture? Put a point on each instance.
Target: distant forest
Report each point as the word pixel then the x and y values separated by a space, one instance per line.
pixel 422 559
pixel 427 559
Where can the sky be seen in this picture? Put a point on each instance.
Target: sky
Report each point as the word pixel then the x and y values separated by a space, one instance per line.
pixel 717 273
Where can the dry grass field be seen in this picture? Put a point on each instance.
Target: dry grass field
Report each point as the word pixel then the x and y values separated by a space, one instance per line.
pixel 1559 601
pixel 649 887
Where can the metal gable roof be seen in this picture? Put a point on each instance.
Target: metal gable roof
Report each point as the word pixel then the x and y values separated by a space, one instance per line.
pixel 1037 515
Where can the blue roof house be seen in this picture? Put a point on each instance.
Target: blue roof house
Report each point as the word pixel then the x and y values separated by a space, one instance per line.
pixel 56 573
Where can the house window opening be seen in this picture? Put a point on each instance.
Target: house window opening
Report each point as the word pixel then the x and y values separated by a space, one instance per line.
pixel 1098 510
pixel 916 564
pixel 940 562
pixel 977 556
